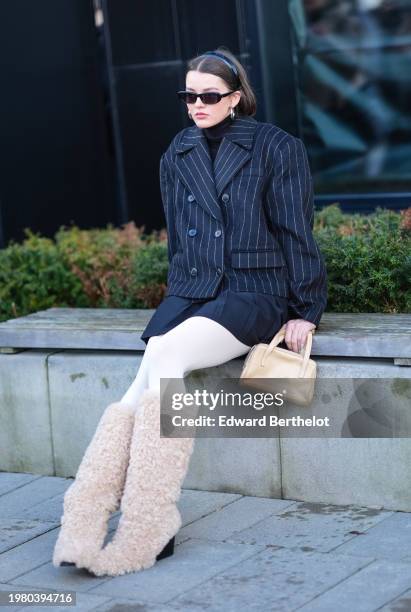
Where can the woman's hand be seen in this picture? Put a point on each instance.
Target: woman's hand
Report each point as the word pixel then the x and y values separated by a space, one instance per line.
pixel 296 332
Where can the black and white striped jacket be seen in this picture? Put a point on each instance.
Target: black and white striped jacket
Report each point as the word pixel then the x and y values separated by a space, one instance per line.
pixel 245 224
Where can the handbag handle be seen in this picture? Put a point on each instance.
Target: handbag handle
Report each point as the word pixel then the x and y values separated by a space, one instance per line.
pixel 279 336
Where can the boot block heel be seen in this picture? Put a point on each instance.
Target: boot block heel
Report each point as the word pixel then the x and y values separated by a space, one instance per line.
pixel 167 551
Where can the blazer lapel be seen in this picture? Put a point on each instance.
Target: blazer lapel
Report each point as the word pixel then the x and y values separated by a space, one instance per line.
pixel 196 171
pixel 194 164
pixel 230 158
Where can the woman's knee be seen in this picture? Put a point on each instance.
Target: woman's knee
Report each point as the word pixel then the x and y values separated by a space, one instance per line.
pixel 157 344
pixel 162 354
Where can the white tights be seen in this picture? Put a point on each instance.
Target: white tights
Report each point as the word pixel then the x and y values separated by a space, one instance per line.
pixel 198 342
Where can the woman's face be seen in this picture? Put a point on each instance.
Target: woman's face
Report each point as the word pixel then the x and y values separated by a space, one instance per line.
pixel 200 82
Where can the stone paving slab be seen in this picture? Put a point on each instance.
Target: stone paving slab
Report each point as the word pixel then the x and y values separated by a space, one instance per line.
pixel 274 579
pixel 194 505
pixel 61 578
pixel 390 539
pixel 193 563
pixel 84 601
pixel 34 551
pixel 12 480
pixel 24 558
pixel 366 590
pixel 234 517
pixel 32 493
pixel 399 604
pixel 17 531
pixel 311 526
pixel 48 510
pixel 232 553
pixel 129 605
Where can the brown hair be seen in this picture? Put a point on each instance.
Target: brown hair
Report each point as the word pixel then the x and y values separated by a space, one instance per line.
pixel 214 65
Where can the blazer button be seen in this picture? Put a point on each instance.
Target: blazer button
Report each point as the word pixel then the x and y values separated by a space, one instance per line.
pixel 225 197
pixel 190 198
pixel 192 232
pixel 219 271
pixel 217 233
pixel 193 271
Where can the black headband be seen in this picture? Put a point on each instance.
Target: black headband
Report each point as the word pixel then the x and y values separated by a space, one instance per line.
pixel 225 59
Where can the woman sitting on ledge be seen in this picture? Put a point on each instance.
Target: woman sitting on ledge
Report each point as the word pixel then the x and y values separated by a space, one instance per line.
pixel 238 201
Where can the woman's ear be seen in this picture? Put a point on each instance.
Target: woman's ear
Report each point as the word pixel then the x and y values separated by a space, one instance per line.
pixel 236 98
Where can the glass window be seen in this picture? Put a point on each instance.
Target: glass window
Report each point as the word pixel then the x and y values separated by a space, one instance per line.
pixel 352 62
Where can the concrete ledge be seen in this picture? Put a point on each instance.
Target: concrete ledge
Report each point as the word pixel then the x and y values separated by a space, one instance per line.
pixel 365 334
pixel 26 443
pixel 82 384
pixel 51 401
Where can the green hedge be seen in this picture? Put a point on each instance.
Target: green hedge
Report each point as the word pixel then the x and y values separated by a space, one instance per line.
pixel 368 259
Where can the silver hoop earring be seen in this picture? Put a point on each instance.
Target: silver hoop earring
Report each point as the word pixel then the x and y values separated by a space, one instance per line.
pixel 232 113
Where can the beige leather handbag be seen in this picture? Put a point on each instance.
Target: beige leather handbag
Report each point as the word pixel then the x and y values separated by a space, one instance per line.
pixel 268 361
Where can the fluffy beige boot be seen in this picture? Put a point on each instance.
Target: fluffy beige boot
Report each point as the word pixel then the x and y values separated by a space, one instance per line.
pixel 97 488
pixel 150 517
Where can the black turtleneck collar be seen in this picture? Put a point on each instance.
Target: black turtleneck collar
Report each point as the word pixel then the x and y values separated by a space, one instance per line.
pixel 217 131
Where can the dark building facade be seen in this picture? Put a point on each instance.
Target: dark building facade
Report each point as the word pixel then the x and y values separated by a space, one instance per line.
pixel 86 83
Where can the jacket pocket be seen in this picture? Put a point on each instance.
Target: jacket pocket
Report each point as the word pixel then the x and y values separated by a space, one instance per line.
pixel 264 258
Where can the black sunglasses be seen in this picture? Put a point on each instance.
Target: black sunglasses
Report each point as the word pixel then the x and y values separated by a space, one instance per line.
pixel 209 97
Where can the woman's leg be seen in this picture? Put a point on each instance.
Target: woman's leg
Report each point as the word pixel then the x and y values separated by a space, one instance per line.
pixel 158 465
pixel 197 342
pixel 140 382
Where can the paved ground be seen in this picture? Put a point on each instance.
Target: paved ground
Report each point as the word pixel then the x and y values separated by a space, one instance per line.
pixel 233 553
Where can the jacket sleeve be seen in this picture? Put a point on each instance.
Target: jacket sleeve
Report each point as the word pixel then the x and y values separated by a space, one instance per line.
pixel 167 194
pixel 290 204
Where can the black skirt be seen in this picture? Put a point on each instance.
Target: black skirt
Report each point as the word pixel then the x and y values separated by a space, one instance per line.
pixel 251 317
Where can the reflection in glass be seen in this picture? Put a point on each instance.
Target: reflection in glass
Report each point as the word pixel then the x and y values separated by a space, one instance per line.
pixel 353 68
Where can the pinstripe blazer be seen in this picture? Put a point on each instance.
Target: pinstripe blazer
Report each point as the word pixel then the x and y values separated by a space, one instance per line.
pixel 246 222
